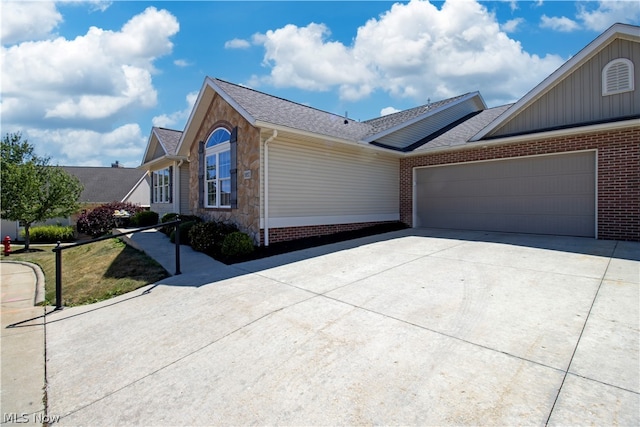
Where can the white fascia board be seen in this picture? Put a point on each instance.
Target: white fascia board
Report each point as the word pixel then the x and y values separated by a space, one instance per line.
pixel 160 140
pixel 533 136
pixel 148 148
pixel 192 114
pixel 402 125
pixel 244 113
pixel 152 165
pixel 584 55
pixel 209 82
pixel 280 128
pixel 134 187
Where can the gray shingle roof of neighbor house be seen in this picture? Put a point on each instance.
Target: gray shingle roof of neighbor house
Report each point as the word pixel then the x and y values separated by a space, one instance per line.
pixel 105 184
pixel 169 139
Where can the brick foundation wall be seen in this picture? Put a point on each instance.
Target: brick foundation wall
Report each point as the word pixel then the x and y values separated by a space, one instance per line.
pixel 618 172
pixel 291 233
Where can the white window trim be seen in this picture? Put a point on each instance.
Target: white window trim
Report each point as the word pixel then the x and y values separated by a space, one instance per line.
pixel 216 150
pixel 160 196
pixel 605 70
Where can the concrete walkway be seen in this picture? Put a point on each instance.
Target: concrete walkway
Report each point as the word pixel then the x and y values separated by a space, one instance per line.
pixel 418 327
pixel 23 345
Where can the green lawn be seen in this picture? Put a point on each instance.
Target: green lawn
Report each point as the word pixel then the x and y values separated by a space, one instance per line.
pixel 93 272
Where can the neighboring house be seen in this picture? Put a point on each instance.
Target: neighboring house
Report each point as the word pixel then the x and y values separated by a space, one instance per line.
pixel 101 185
pixel 115 184
pixel 168 172
pixel 562 160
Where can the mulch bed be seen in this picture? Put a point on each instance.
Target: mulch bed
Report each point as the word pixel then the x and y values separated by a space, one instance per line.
pixel 310 242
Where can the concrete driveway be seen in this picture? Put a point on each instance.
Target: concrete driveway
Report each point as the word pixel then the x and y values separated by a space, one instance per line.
pixel 418 327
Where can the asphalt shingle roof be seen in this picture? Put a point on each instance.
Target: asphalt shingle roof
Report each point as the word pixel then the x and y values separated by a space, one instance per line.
pixel 103 184
pixel 169 139
pixel 279 111
pixel 380 124
pixel 463 132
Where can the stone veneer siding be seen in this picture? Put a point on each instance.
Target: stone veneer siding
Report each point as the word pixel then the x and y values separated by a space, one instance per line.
pixel 618 174
pixel 247 215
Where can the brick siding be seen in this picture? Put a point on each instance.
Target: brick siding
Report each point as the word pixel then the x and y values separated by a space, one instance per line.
pixel 618 172
pixel 291 233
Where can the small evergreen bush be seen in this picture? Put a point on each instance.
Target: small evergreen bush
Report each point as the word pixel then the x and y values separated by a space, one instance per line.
pixel 145 219
pixel 50 234
pixel 208 237
pixel 185 227
pixel 172 216
pixel 237 244
pixel 99 221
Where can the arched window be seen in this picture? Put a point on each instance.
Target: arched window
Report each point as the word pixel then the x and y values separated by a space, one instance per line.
pixel 617 77
pixel 219 136
pixel 217 177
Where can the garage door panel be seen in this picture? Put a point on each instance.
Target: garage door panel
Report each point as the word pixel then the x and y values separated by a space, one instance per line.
pixel 546 194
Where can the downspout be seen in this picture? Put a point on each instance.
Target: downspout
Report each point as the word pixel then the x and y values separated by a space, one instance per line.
pixel 266 186
pixel 176 186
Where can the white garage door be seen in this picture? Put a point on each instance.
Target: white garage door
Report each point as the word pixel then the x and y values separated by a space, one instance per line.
pixel 543 195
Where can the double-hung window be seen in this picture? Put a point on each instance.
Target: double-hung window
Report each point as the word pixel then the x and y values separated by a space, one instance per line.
pixel 161 186
pixel 218 170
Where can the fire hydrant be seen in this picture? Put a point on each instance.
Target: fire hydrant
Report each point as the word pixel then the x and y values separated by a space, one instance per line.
pixel 7 245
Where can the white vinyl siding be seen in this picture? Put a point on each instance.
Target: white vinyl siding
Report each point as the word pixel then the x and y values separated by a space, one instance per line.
pixel 330 183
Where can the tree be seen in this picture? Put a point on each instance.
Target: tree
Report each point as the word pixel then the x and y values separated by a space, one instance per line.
pixel 32 190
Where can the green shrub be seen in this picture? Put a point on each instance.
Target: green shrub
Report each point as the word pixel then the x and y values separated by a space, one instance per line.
pixel 145 219
pixel 169 217
pixel 185 227
pixel 208 237
pixel 50 234
pixel 237 244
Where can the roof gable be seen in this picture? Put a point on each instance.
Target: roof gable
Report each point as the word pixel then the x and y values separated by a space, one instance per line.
pixel 409 129
pixel 264 110
pixel 569 97
pixel 162 142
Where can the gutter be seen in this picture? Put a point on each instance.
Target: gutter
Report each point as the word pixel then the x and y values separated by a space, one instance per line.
pixel 352 143
pixel 148 165
pixel 530 137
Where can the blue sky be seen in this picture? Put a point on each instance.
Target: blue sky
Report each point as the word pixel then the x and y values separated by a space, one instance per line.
pixel 84 81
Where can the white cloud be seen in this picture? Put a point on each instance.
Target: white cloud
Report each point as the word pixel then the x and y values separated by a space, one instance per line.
pixel 413 50
pixel 511 25
pixel 303 57
pixel 84 147
pixel 181 63
pixel 27 20
pixel 236 44
pixel 94 76
pixel 562 24
pixel 388 110
pixel 69 92
pixel 608 13
pixel 177 119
